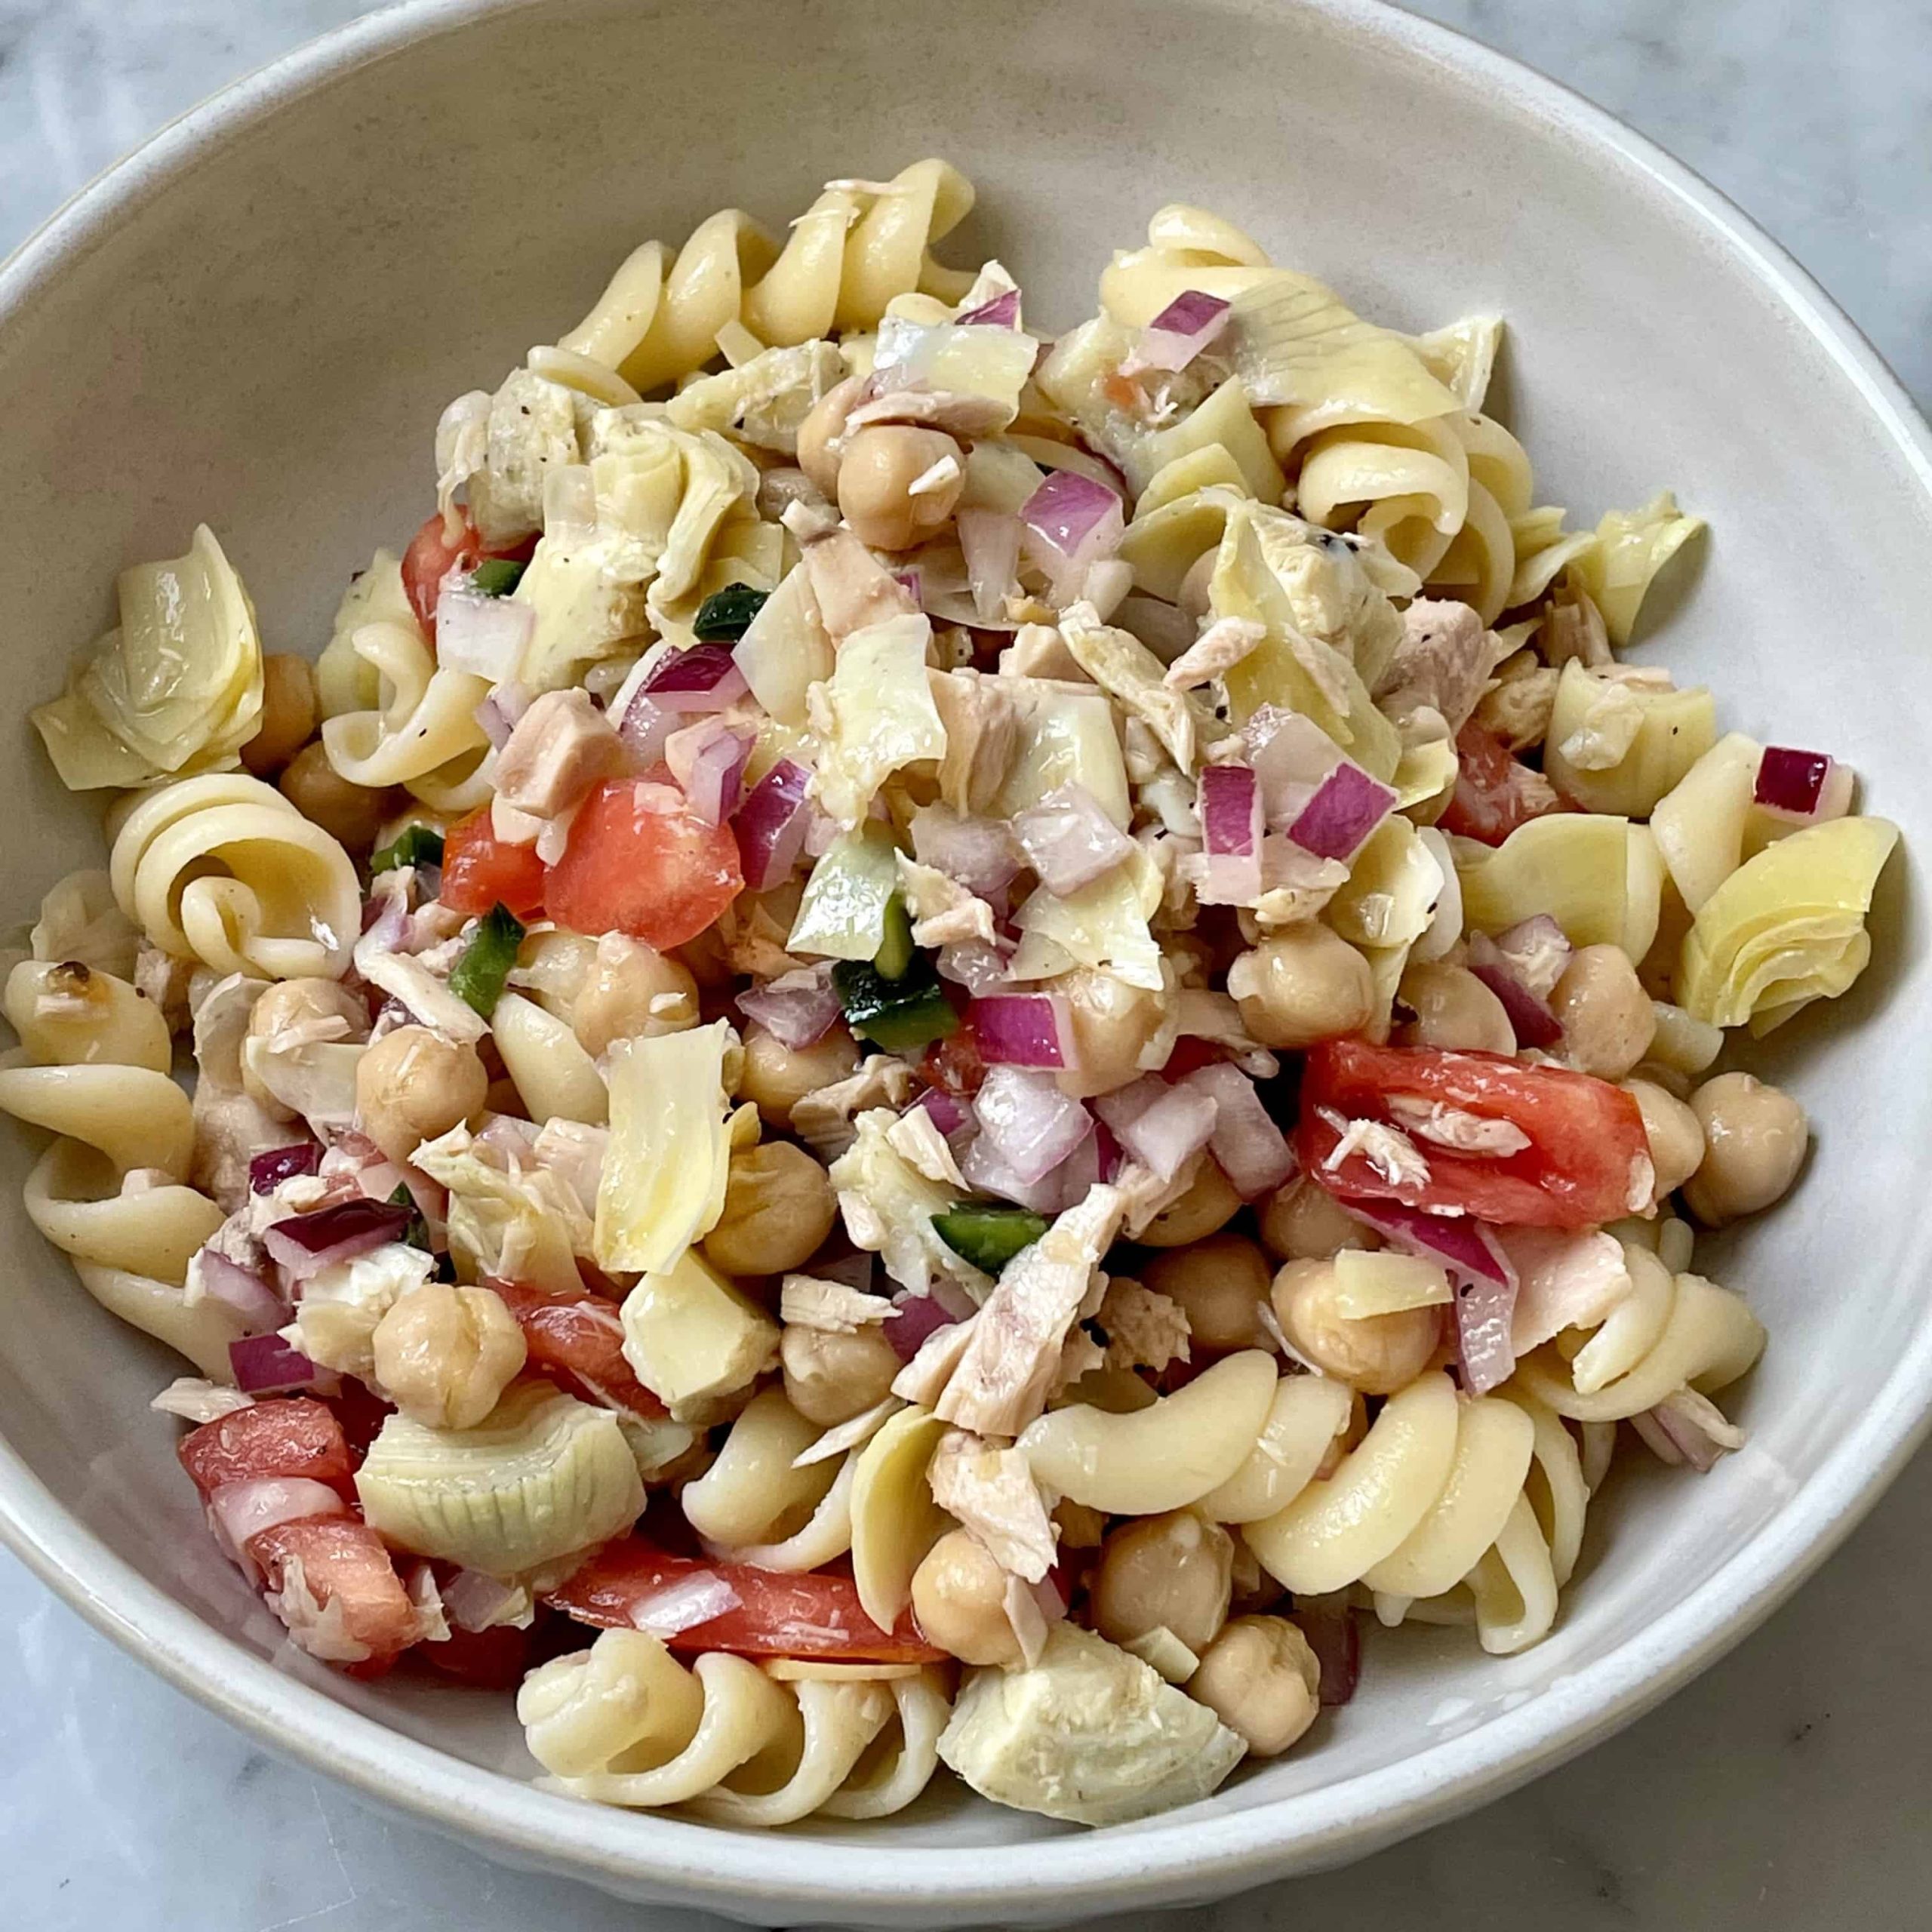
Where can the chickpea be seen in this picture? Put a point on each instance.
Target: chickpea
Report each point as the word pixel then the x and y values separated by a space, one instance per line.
pixel 959 1601
pixel 1220 1283
pixel 1755 1138
pixel 292 1003
pixel 829 1379
pixel 414 1084
pixel 1377 1354
pixel 1111 1023
pixel 443 1354
pixel 1454 1009
pixel 632 991
pixel 1304 985
pixel 1209 1202
pixel 778 1209
pixel 776 1077
pixel 288 714
pixel 350 814
pixel 1608 1021
pixel 1302 1221
pixel 824 424
pixel 1176 1569
pixel 876 476
pixel 1675 1134
pixel 1260 1678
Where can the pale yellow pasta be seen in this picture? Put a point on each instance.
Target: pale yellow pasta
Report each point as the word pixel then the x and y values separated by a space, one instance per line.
pixel 226 870
pixel 69 1015
pixel 425 719
pixel 346 681
pixel 80 920
pixel 624 1723
pixel 755 1504
pixel 556 1079
pixel 1306 1415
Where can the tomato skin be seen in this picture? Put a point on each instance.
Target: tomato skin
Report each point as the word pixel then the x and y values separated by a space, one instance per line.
pixel 1580 1169
pixel 779 1615
pixel 432 556
pixel 480 870
pixel 640 861
pixel 294 1436
pixel 578 1340
pixel 492 1659
pixel 1495 791
pixel 344 1562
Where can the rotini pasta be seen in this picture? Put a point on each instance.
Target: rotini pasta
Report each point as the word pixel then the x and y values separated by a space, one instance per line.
pixel 1056 989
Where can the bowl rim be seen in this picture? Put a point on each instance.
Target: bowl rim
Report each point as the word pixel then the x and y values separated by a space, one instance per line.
pixel 1159 1860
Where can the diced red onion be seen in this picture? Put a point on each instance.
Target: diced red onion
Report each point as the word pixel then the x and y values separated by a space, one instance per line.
pixel 708 759
pixel 798 1010
pixel 1536 950
pixel 1535 1024
pixel 266 1365
pixel 1072 521
pixel 485 635
pixel 266 1172
pixel 1181 331
pixel 1032 1124
pixel 977 852
pixel 912 1319
pixel 239 1512
pixel 1291 755
pixel 1335 1638
pixel 989 543
pixel 1686 1427
pixel 499 712
pixel 1465 1247
pixel 948 1115
pixel 1484 1313
pixel 644 728
pixel 1002 313
pixel 1230 803
pixel 1069 840
pixel 305 1245
pixel 1023 1030
pixel 474 1600
pixel 987 1171
pixel 1802 788
pixel 1247 1145
pixel 704 677
pixel 771 825
pixel 683 1605
pixel 225 1280
pixel 1162 1127
pixel 1347 806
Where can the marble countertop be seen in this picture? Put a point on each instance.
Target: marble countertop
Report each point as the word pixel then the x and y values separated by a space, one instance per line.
pixel 1782 1792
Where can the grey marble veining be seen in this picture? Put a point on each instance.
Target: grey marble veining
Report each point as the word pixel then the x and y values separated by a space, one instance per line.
pixel 1782 1792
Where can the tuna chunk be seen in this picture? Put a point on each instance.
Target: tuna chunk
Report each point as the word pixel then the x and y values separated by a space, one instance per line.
pixel 993 1493
pixel 562 747
pixel 1441 664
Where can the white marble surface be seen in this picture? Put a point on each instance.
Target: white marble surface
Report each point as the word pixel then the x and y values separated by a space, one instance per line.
pixel 1782 1792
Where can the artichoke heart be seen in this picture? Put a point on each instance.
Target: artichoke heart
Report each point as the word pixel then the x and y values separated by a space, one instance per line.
pixel 542 1475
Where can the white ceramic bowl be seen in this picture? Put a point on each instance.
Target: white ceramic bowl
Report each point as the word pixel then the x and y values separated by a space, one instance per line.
pixel 255 321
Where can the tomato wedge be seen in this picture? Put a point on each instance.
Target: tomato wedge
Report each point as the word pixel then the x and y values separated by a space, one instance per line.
pixel 432 556
pixel 1495 791
pixel 493 1659
pixel 1588 1160
pixel 292 1437
pixel 480 870
pixel 579 1340
pixel 640 861
pixel 778 1615
pixel 344 1563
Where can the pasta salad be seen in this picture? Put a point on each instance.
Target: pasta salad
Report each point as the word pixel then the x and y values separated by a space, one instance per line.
pixel 926 1045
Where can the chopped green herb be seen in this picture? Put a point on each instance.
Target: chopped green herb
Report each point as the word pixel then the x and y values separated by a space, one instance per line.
pixel 898 1014
pixel 895 949
pixel 987 1236
pixel 497 576
pixel 413 845
pixel 725 615
pixel 478 977
pixel 416 1232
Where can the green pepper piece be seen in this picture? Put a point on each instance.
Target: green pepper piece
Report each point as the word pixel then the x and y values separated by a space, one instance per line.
pixel 413 845
pixel 989 1237
pixel 726 615
pixel 901 1015
pixel 497 576
pixel 895 949
pixel 478 977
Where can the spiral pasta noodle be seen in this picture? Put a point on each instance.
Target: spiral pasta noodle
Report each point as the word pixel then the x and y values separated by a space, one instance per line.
pixel 756 1505
pixel 857 247
pixel 424 723
pixel 225 870
pixel 625 1723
